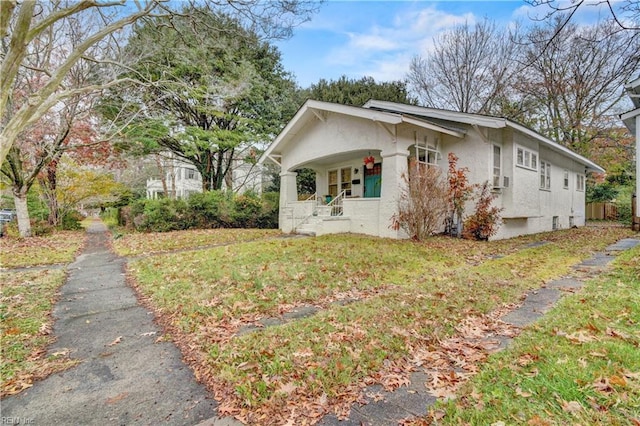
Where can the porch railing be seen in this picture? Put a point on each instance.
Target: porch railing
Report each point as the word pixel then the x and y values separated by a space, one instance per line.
pixel 336 204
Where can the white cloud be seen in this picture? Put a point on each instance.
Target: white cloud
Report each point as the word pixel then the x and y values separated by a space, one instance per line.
pixel 384 51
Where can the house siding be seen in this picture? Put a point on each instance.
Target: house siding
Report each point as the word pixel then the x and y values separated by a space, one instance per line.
pixel 327 137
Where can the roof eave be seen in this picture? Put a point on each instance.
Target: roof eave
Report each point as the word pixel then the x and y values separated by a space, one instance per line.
pixel 461 117
pixel 590 165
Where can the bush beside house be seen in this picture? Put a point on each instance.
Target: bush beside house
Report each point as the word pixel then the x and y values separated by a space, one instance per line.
pixel 213 209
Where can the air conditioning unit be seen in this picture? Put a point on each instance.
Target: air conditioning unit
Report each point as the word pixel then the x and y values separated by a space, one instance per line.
pixel 500 182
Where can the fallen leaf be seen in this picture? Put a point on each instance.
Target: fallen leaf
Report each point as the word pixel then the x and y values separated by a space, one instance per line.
pixel 581 337
pixel 287 388
pixel 115 342
pixel 615 333
pixel 537 421
pixel 617 380
pixel 519 392
pixel 117 398
pixel 571 406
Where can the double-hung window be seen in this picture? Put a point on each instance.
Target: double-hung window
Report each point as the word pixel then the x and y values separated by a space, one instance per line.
pixel 497 166
pixel 580 182
pixel 565 181
pixel 545 175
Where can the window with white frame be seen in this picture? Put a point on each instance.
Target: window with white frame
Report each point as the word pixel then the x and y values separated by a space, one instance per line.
pixel 526 158
pixel 189 174
pixel 427 152
pixel 580 182
pixel 565 180
pixel 497 166
pixel 545 175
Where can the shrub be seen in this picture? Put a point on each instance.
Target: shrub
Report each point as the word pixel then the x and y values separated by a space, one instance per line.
pixel 623 202
pixel 247 208
pixel 40 227
pixel 422 203
pixel 214 209
pixel 269 215
pixel 484 222
pixel 211 209
pixel 71 221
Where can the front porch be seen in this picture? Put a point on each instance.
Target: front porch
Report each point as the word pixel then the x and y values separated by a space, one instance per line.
pixel 342 214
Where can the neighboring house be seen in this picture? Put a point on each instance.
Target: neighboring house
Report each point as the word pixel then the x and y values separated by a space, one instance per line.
pixel 180 179
pixel 539 183
pixel 183 179
pixel 631 119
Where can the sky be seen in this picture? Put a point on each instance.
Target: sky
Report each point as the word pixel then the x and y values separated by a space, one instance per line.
pixel 378 38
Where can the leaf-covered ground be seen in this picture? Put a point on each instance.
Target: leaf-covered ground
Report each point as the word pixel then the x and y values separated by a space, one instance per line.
pixel 26 302
pixel 383 307
pixel 135 244
pixel 579 365
pixel 59 247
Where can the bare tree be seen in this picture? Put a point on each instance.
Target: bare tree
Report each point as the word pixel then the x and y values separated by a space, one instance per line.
pixel 469 69
pixel 575 79
pixel 625 14
pixel 422 202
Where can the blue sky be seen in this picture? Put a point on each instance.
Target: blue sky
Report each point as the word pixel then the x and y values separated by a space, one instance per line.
pixel 379 38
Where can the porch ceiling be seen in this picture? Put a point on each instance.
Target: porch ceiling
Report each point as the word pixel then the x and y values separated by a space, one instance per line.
pixel 338 158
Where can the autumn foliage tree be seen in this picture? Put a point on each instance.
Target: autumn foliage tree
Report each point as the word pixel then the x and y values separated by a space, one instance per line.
pixel 459 192
pixel 485 220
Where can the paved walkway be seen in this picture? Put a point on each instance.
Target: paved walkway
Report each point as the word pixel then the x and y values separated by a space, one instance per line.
pixel 384 408
pixel 125 376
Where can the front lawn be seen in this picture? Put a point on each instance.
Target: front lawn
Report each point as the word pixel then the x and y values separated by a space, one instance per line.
pixel 26 302
pixel 138 243
pixel 579 365
pixel 59 247
pixel 378 302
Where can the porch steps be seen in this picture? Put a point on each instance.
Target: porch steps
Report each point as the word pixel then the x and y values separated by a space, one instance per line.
pixel 309 227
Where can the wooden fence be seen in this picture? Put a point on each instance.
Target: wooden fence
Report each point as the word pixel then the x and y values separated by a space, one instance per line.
pixel 602 211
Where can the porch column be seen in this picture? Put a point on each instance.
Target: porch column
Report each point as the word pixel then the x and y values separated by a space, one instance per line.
pixel 288 194
pixel 393 166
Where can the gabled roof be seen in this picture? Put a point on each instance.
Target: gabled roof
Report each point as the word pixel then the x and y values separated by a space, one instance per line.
pixel 315 110
pixel 483 121
pixel 396 113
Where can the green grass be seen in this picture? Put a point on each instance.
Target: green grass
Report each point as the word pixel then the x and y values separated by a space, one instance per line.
pixel 401 295
pixel 579 365
pixel 59 247
pixel 136 244
pixel 26 301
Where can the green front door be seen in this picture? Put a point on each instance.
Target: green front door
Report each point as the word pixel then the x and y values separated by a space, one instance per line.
pixel 372 181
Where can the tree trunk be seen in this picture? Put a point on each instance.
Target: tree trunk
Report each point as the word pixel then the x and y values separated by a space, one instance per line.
pixel 49 185
pixel 22 212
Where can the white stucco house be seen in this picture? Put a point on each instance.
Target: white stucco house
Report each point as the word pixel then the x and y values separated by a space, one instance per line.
pixel 631 119
pixel 540 184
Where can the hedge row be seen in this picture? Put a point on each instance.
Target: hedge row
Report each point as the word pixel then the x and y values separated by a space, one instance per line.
pixel 215 209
